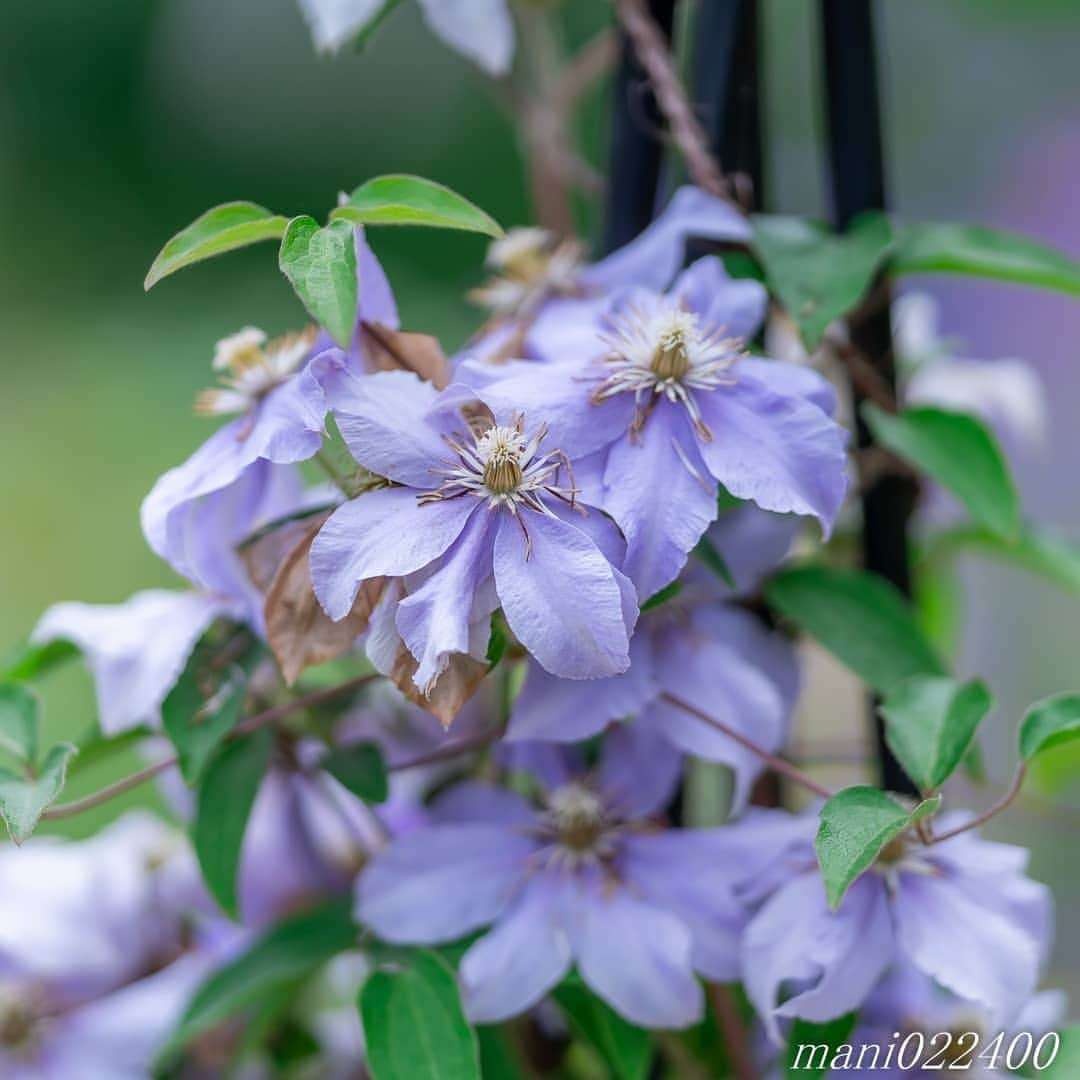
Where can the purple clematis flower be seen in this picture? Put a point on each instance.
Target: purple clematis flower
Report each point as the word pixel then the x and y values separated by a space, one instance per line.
pixel 663 405
pixel 482 513
pixel 698 646
pixel 584 879
pixel 238 479
pixel 961 911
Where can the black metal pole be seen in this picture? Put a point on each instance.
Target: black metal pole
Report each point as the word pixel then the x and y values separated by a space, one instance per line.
pixel 636 152
pixel 858 184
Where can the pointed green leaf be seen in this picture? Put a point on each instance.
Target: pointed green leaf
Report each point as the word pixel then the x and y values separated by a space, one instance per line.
pixel 414 1025
pixel 855 824
pixel 860 618
pixel 811 1046
pixel 205 704
pixel 223 228
pixel 412 200
pixel 1048 723
pixel 288 951
pixel 321 266
pixel 22 800
pixel 983 252
pixel 225 798
pixel 361 769
pixel 930 722
pixel 18 721
pixel 31 659
pixel 819 276
pixel 958 452
pixel 627 1049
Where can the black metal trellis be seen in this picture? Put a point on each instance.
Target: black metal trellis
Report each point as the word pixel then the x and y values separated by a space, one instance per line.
pixel 727 92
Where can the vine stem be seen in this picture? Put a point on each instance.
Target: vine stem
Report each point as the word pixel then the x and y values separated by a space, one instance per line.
pixel 734 1031
pixel 777 764
pixel 1003 803
pixel 686 130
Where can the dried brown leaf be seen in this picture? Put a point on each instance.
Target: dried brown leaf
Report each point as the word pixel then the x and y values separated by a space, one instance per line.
pixel 405 350
pixel 454 687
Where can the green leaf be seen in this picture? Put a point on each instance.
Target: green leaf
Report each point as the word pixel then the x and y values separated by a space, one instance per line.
pixel 224 803
pixel 958 452
pixel 361 769
pixel 414 1026
pixel 811 1046
pixel 930 722
pixel 860 618
pixel 707 552
pixel 30 660
pixel 855 824
pixel 498 639
pixel 1066 1063
pixel 223 228
pixel 983 252
pixel 819 276
pixel 23 799
pixel 204 705
pixel 668 592
pixel 320 263
pixel 627 1049
pixel 498 1060
pixel 286 953
pixel 1048 723
pixel 18 721
pixel 412 200
pixel 367 33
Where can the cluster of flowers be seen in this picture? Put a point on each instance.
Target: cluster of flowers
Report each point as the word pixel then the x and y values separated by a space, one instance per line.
pixel 563 470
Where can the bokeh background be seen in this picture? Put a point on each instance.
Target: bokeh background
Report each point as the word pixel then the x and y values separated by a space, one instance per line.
pixel 122 120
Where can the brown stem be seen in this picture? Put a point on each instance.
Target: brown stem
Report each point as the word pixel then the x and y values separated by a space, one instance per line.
pixel 777 764
pixel 1005 801
pixel 686 130
pixel 733 1029
pixel 594 59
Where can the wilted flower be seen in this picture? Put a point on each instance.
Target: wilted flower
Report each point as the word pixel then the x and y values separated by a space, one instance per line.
pixel 581 879
pixel 657 404
pixel 961 911
pixel 482 512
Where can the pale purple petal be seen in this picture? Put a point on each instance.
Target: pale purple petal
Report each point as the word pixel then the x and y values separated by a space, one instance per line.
pixel 661 495
pixel 334 22
pixel 482 30
pixel 638 773
pixel 753 543
pixel 482 803
pixel 782 452
pixel 787 378
pixel 381 533
pixel 833 958
pixel 735 306
pixel 441 883
pixel 563 599
pixel 635 956
pixel 569 329
pixel 524 956
pixel 553 764
pixel 654 257
pixel 435 620
pixel 135 650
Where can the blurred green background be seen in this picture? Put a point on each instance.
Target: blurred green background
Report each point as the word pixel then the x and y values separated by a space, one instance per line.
pixel 122 120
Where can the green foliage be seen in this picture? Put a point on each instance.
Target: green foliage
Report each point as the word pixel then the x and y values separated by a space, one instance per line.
pixel 959 453
pixel 414 1026
pixel 223 228
pixel 361 769
pixel 498 1060
pixel 204 705
pixel 930 722
pixel 30 660
pixel 830 1034
pixel 367 34
pixel 668 592
pixel 982 252
pixel 818 275
pixel 1048 723
pixel 286 953
pixel 1066 1065
pixel 225 798
pixel 23 798
pixel 626 1048
pixel 860 618
pixel 18 721
pixel 707 552
pixel 855 824
pixel 320 263
pixel 412 200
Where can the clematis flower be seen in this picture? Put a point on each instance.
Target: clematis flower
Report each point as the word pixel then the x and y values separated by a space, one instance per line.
pixel 582 878
pixel 664 405
pixel 482 30
pixel 961 912
pixel 482 512
pixel 239 478
pixel 697 645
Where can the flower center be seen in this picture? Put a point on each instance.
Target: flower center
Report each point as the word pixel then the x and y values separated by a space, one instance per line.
pixel 501 449
pixel 577 816
pixel 20 1026
pixel 529 265
pixel 671 357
